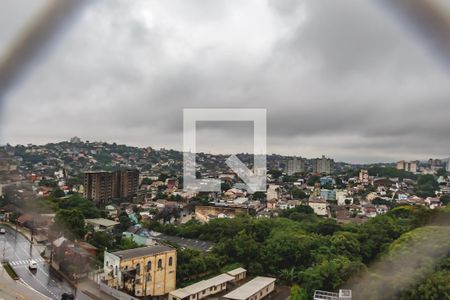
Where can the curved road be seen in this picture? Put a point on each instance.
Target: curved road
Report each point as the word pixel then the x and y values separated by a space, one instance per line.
pixel 18 251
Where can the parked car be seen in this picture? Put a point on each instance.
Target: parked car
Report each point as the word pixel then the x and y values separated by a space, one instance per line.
pixel 2 230
pixel 32 265
pixel 66 296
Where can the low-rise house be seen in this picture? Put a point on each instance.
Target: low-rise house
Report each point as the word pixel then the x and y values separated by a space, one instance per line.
pixel 202 289
pixel 293 203
pixel 101 224
pixel 318 205
pixel 415 201
pixel 327 181
pixel 372 196
pixel 140 238
pixel 381 209
pixel 238 274
pixel 282 205
pixel 328 195
pixel 272 203
pixel 369 210
pixel 75 260
pixel 255 289
pixel 264 214
pixel 92 250
pixel 112 211
pixel 240 201
pixel 234 193
pixel 172 183
pixel 433 202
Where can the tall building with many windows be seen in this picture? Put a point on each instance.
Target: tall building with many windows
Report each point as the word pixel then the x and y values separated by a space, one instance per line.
pixel 323 165
pixel 98 186
pixel 101 186
pixel 410 166
pixel 129 182
pixel 295 165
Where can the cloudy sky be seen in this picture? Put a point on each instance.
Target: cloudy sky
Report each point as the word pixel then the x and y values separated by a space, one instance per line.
pixel 344 78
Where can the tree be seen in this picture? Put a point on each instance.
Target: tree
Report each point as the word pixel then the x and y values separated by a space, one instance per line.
pixel 259 196
pixel 445 199
pixel 441 172
pixel 312 180
pixel 225 186
pixel 124 221
pixel 426 186
pixel 298 293
pixel 146 181
pixel 288 275
pixel 275 173
pixel 58 193
pixel 127 243
pixel 298 193
pixel 71 223
pixel 102 240
pixel 162 177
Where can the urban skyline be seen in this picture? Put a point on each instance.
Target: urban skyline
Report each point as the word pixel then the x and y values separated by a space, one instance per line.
pixel 321 97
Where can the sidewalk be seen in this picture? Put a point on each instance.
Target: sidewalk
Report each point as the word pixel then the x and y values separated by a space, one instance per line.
pixel 12 290
pixel 92 290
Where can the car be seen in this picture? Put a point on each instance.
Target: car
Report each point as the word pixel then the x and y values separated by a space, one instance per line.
pixel 67 296
pixel 2 230
pixel 32 265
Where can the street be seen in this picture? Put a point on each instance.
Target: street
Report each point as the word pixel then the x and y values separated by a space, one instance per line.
pixel 18 251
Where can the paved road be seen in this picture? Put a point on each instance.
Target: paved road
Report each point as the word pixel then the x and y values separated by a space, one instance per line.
pixel 19 251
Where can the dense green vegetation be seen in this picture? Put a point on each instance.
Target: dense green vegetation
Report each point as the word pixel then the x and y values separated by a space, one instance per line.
pixel 71 211
pixel 416 266
pixel 426 186
pixel 300 247
pixel 390 172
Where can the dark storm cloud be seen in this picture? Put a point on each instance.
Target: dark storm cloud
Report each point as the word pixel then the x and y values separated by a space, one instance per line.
pixel 341 78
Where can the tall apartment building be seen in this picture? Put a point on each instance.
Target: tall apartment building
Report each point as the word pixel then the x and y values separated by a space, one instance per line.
pixel 98 186
pixel 101 186
pixel 410 166
pixel 295 165
pixel 364 176
pixel 146 271
pixel 437 163
pixel 129 182
pixel 323 165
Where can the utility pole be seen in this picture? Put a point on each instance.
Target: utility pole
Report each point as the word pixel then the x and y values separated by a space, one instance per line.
pixel 15 236
pixel 4 252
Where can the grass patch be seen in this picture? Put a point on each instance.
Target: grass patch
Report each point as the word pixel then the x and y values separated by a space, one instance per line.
pixel 10 270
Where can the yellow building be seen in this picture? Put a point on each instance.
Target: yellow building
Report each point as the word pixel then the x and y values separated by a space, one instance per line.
pixel 145 271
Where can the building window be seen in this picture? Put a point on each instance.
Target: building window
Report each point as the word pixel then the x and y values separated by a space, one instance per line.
pixel 138 268
pixel 159 263
pixel 149 266
pixel 116 270
pixel 170 261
